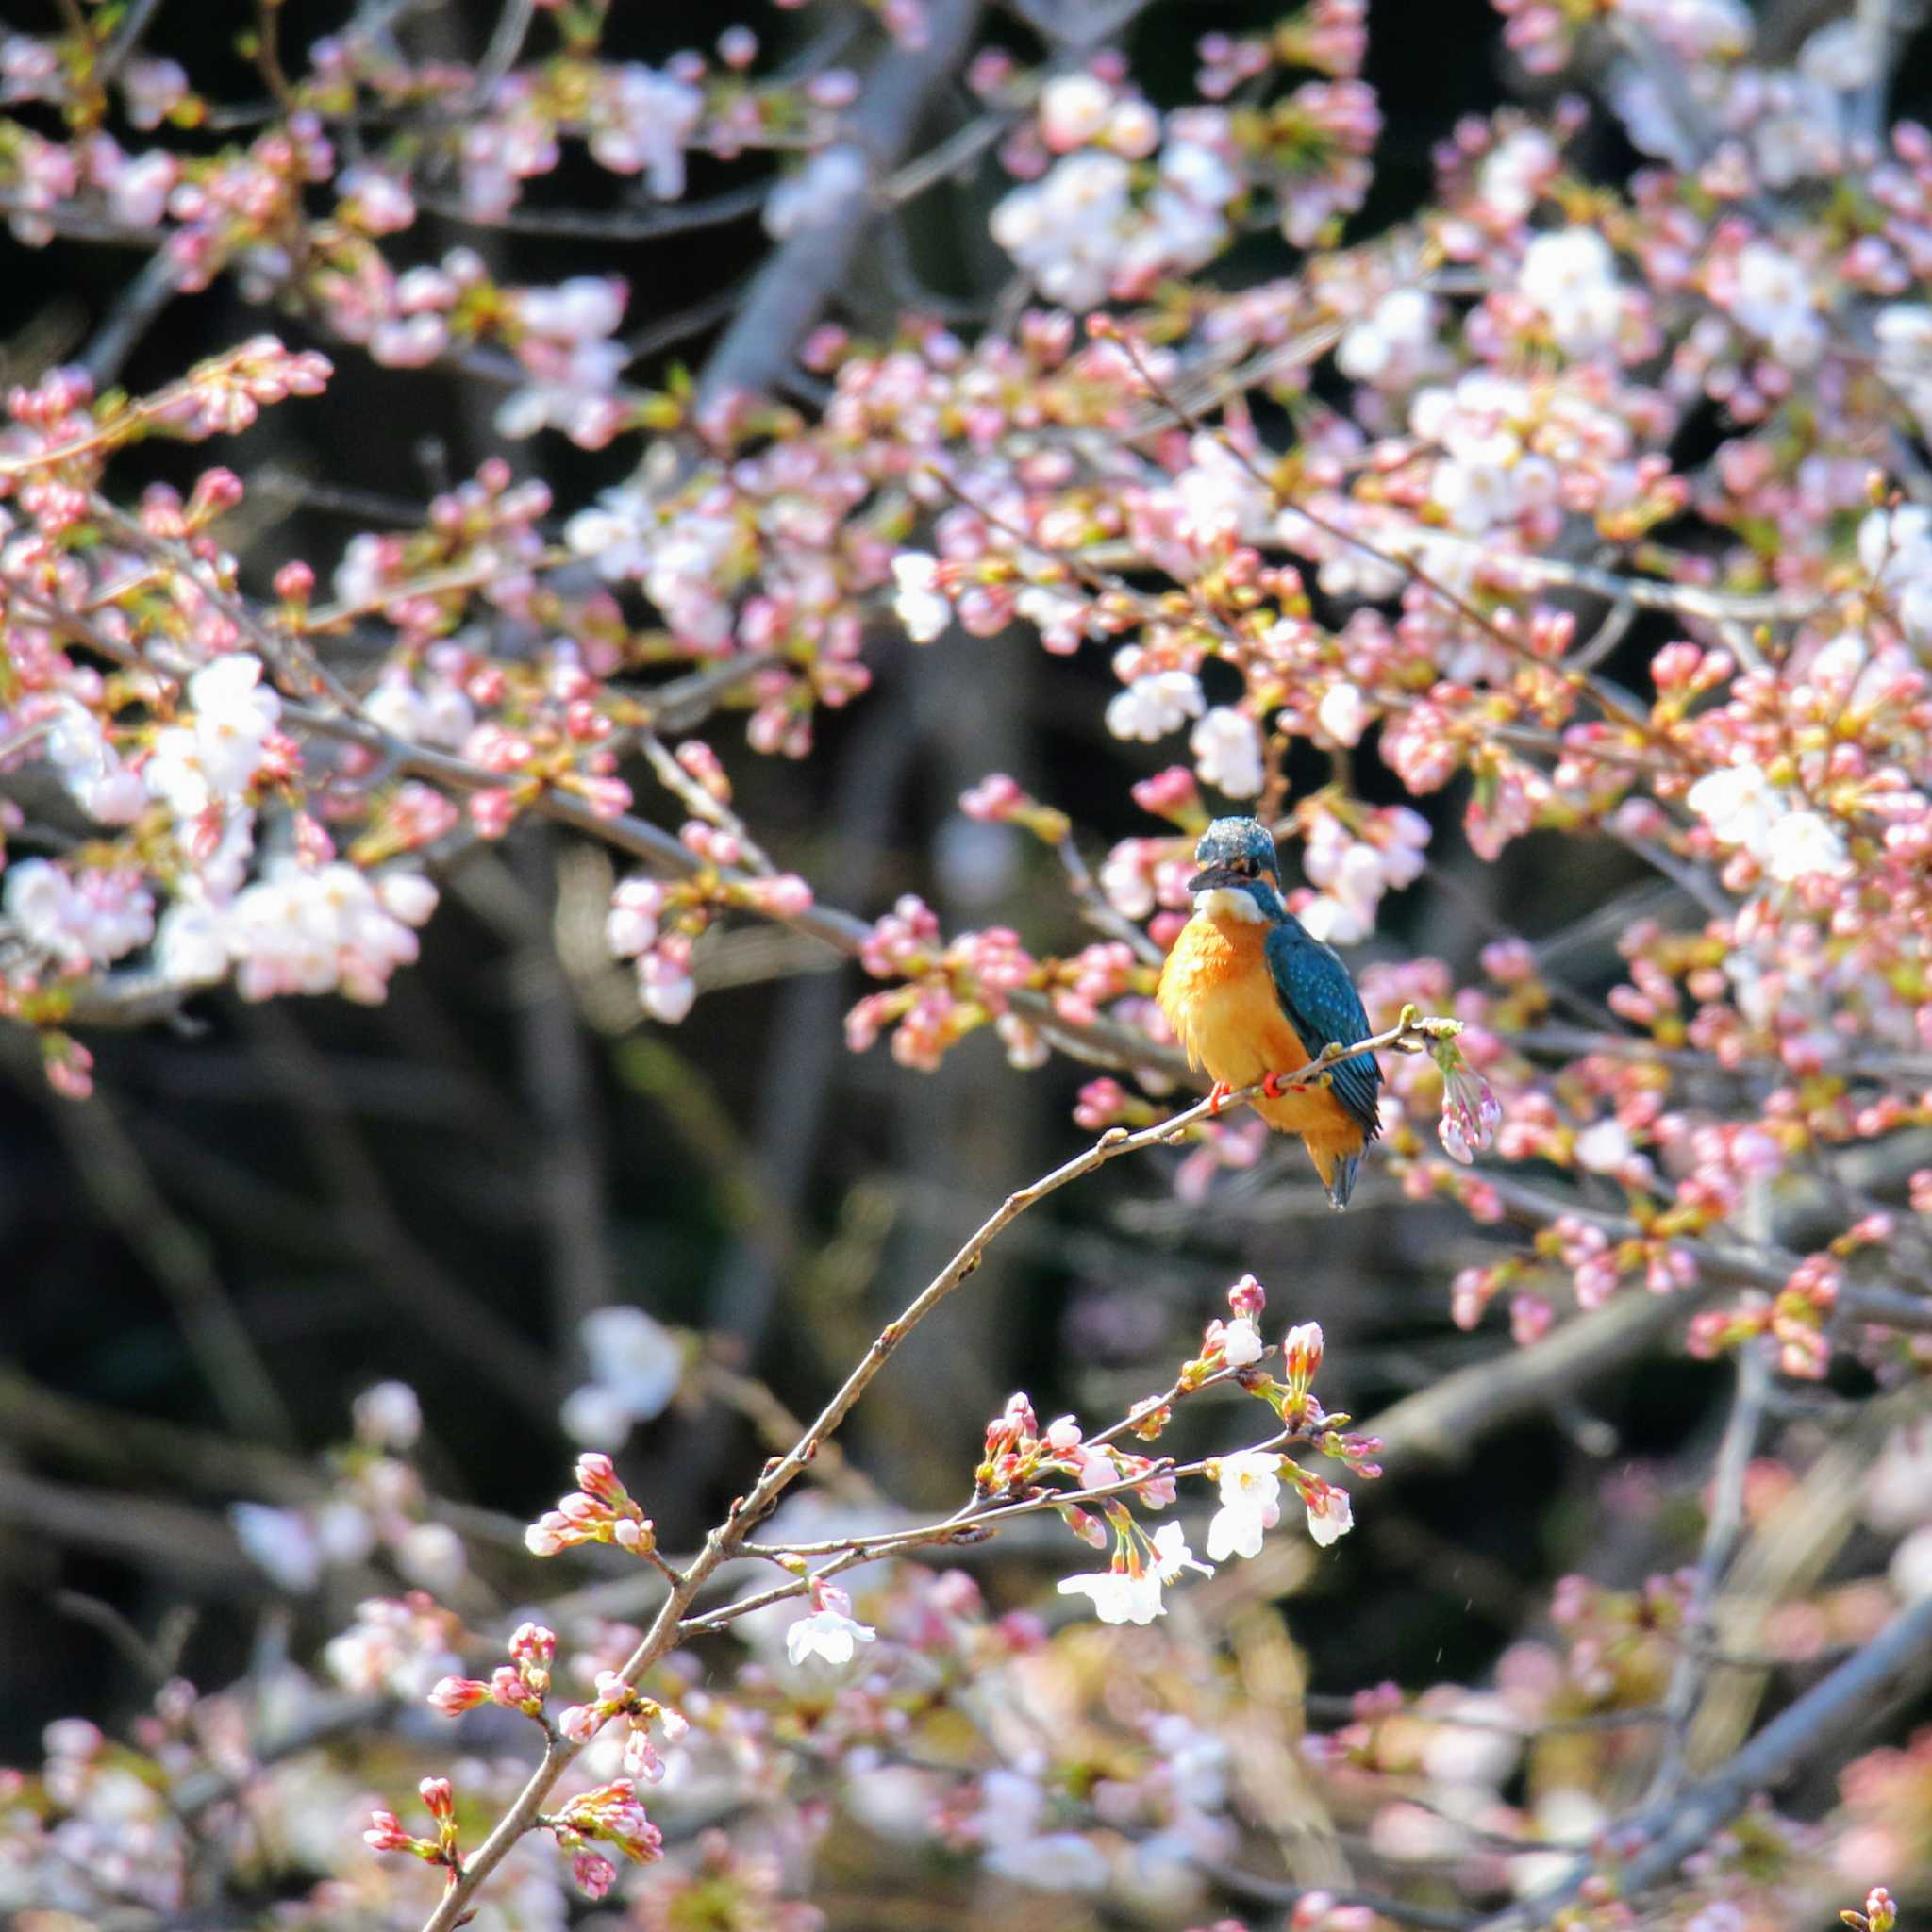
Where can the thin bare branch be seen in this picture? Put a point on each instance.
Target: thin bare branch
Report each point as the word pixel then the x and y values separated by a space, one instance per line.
pixel 726 1541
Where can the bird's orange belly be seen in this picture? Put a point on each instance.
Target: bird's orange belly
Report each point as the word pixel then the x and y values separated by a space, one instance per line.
pixel 1220 999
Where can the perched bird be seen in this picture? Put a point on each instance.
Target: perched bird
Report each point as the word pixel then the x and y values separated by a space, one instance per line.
pixel 1251 995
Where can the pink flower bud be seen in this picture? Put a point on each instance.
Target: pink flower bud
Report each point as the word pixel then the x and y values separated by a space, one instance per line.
pixel 1247 1297
pixel 215 491
pixel 994 798
pixel 438 1798
pixel 549 1535
pixel 386 1834
pixel 491 811
pixel 594 1872
pixel 452 1696
pixel 639 1758
pixel 533 1644
pixel 784 897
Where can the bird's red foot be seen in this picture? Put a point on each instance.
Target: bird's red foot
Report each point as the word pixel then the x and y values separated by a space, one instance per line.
pixel 1272 1087
pixel 1217 1098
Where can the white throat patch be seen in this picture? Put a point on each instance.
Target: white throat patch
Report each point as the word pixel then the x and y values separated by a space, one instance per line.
pixel 1223 901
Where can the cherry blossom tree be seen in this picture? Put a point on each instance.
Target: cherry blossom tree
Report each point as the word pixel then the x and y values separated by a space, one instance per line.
pixel 1569 521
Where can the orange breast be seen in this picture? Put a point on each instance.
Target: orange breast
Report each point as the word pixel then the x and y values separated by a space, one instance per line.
pixel 1220 999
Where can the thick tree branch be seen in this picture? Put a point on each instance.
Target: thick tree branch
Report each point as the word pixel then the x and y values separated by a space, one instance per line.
pixel 1896 1662
pixel 791 289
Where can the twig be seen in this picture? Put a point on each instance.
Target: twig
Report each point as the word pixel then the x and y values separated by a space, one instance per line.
pixel 1762 1265
pixel 675 218
pixel 1878 29
pixel 267 54
pixel 671 329
pixel 506 44
pixel 701 805
pixel 757 1403
pixel 156 1661
pixel 568 1161
pixel 134 312
pixel 108 1442
pixel 83 223
pixel 340 1718
pixel 746 1512
pixel 1330 1709
pixel 195 1549
pixel 1646 593
pixel 1102 1041
pixel 422 1289
pixel 1721 1534
pixel 807 268
pixel 1582 683
pixel 795 1091
pixel 1442 1425
pixel 181 1264
pixel 126 41
pixel 1255 1889
pixel 1094 904
pixel 1897 1662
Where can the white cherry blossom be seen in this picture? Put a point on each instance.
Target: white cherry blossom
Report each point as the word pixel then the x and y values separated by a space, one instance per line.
pixel 1571 276
pixel 1226 745
pixel 1331 1515
pixel 918 603
pixel 212 757
pixel 830 1633
pixel 1250 1505
pixel 1119 1596
pixel 1153 705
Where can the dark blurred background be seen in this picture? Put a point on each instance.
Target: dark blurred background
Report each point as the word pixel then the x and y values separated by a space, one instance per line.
pixel 267 1210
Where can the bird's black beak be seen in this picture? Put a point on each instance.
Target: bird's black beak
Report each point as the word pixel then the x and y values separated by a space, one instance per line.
pixel 1212 876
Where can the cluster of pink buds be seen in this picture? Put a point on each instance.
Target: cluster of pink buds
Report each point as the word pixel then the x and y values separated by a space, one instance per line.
pixel 1012 1448
pixel 1174 794
pixel 613 1815
pixel 520 1684
pixel 386 1833
pixel 634 930
pixel 712 843
pixel 1094 976
pixel 1019 1452
pixel 1794 1320
pixel 1880 1913
pixel 901 941
pixel 953 992
pixel 1105 1103
pixel 223 396
pixel 600 1510
pixel 618 1699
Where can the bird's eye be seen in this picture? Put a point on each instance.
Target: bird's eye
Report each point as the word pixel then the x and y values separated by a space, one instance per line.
pixel 1245 867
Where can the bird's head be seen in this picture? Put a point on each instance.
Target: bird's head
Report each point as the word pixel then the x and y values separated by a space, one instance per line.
pixel 1238 874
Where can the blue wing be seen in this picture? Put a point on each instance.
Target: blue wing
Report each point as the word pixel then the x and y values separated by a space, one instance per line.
pixel 1322 1006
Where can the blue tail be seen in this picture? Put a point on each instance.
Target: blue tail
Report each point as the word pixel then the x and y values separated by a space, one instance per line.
pixel 1341 1180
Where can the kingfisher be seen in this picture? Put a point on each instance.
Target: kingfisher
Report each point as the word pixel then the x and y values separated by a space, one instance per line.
pixel 1252 994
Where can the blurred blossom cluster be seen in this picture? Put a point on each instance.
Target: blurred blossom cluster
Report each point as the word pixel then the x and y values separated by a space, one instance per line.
pixel 1559 510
